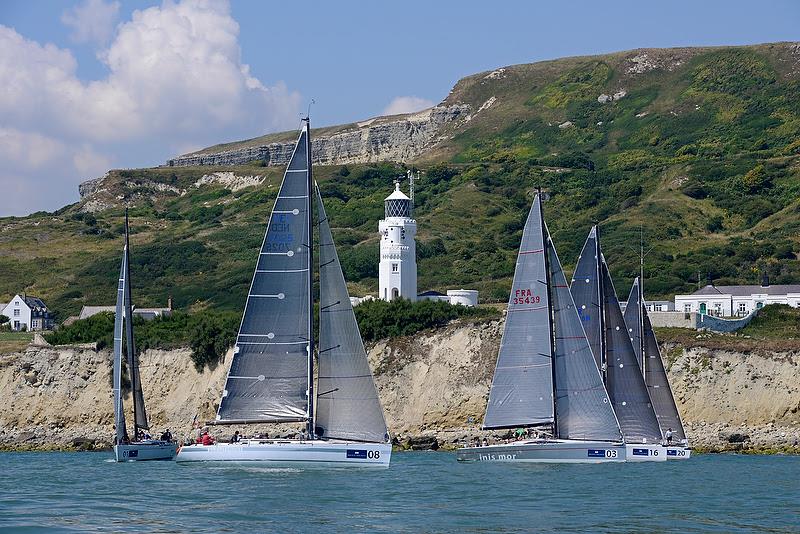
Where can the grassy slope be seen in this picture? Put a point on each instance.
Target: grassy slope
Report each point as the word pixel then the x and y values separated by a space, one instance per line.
pixel 710 169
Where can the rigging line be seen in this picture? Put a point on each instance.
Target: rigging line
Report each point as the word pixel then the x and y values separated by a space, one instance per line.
pixel 330 305
pixel 326 350
pixel 327 263
pixel 331 391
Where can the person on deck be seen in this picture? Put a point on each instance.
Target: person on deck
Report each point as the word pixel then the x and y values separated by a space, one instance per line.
pixel 236 438
pixel 206 439
pixel 668 435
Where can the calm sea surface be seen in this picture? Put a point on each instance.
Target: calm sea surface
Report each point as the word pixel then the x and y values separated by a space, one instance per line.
pixel 421 492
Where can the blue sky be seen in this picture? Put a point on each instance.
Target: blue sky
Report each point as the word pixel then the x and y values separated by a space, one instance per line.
pixel 97 84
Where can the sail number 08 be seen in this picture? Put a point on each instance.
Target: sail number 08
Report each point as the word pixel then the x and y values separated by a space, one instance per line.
pixel 373 455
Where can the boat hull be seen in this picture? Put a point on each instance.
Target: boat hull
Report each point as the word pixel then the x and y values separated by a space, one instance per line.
pixel 649 452
pixel 679 452
pixel 146 450
pixel 291 452
pixel 539 451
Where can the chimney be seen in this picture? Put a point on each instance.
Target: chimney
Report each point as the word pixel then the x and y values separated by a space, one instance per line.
pixel 169 303
pixel 709 280
pixel 764 280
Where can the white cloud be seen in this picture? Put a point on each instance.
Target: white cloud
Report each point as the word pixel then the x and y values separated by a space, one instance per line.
pixel 27 149
pixel 407 104
pixel 92 21
pixel 175 78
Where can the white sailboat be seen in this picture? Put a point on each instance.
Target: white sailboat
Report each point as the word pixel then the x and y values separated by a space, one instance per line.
pixel 125 448
pixel 655 375
pixel 271 378
pixel 545 375
pixel 594 294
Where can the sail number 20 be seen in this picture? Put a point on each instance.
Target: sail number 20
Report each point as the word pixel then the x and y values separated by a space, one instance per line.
pixel 525 296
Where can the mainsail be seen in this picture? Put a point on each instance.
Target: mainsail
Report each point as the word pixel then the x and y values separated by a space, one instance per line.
pixel 268 380
pixel 655 375
pixel 139 412
pixel 522 387
pixel 348 406
pixel 585 289
pixel 583 409
pixel 119 412
pixel 624 381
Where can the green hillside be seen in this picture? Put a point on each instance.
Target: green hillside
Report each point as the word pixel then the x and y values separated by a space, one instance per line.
pixel 702 152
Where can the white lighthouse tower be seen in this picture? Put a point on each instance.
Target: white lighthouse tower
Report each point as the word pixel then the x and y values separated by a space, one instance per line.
pixel 397 276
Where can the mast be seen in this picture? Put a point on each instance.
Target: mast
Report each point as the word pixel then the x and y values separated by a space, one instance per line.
pixel 310 266
pixel 642 344
pixel 601 303
pixel 547 243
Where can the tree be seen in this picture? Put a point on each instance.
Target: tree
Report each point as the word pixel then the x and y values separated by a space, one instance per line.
pixel 4 319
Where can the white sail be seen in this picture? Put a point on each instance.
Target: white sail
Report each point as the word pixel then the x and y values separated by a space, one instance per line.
pixel 119 411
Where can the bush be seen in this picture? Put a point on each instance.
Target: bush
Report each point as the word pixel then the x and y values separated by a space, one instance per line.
pixel 4 319
pixel 379 319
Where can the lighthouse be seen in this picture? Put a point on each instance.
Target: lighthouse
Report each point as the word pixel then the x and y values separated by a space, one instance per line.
pixel 397 276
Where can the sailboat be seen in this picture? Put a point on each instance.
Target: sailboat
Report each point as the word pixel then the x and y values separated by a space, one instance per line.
pixel 593 291
pixel 655 375
pixel 126 449
pixel 545 375
pixel 271 377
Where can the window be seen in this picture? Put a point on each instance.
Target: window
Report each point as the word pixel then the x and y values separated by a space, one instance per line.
pixel 687 308
pixel 16 313
pixel 394 267
pixel 742 308
pixel 658 307
pixel 759 305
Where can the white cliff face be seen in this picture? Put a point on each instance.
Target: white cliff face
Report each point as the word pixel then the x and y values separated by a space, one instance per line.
pixel 376 140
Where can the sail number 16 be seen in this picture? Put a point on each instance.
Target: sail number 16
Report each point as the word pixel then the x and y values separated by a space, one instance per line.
pixel 525 296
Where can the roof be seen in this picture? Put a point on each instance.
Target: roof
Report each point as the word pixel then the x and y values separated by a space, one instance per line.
pixel 746 291
pixel 88 311
pixel 34 302
pixel 397 194
pixel 431 294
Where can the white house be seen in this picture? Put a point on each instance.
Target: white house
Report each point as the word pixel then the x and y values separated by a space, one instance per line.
pixel 737 301
pixel 27 313
pixel 148 314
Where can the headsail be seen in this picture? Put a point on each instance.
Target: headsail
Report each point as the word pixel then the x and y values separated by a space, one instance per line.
pixel 655 375
pixel 583 407
pixel 625 382
pixel 119 412
pixel 268 378
pixel 585 289
pixel 633 321
pixel 348 406
pixel 139 412
pixel 522 387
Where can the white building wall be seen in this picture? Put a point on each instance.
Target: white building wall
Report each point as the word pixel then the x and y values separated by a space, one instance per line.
pixel 465 297
pixel 19 313
pixel 730 306
pixel 397 271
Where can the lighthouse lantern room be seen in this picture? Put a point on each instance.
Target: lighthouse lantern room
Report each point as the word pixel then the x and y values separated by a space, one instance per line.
pixel 397 276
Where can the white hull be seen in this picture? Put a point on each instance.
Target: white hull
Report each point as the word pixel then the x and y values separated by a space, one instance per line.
pixel 546 451
pixel 650 452
pixel 291 452
pixel 145 450
pixel 678 452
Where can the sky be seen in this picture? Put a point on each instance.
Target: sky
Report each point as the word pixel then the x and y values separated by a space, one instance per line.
pixel 90 85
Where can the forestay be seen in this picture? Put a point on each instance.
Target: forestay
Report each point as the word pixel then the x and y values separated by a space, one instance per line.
pixel 522 387
pixel 268 377
pixel 624 378
pixel 655 375
pixel 583 408
pixel 348 406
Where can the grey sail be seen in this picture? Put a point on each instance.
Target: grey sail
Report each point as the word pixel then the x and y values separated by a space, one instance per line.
pixel 585 289
pixel 633 321
pixel 522 386
pixel 139 412
pixel 268 377
pixel 655 375
pixel 348 406
pixel 624 378
pixel 119 412
pixel 583 407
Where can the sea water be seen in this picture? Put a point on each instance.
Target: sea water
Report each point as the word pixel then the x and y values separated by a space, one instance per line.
pixel 420 492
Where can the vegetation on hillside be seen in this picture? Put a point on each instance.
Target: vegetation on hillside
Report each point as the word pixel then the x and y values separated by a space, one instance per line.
pixel 701 154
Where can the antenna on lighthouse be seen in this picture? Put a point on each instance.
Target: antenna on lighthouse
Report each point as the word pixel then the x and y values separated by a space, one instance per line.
pixel 411 179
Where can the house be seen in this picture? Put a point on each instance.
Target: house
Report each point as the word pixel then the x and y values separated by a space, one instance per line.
pixel 737 301
pixel 27 313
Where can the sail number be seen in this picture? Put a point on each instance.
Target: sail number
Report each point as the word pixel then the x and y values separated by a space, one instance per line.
pixel 525 296
pixel 362 454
